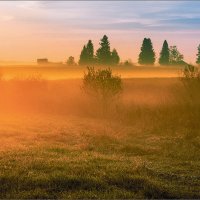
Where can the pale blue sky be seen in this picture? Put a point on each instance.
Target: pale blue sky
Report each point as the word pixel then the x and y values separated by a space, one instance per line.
pixel 58 29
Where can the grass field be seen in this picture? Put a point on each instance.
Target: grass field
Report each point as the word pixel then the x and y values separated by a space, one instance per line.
pixel 55 142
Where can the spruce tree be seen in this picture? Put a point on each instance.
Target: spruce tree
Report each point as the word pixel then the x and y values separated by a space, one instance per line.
pixel 198 56
pixel 147 54
pixel 87 54
pixel 90 52
pixel 83 57
pixel 103 54
pixel 115 57
pixel 164 54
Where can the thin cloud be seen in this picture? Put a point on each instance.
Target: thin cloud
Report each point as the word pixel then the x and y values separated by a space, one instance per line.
pixel 52 22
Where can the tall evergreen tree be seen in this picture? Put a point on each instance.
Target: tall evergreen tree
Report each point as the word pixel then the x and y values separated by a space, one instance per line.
pixel 87 54
pixel 114 57
pixel 83 57
pixel 90 52
pixel 198 56
pixel 103 54
pixel 164 54
pixel 147 54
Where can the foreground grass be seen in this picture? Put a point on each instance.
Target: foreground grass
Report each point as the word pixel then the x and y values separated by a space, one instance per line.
pixel 110 162
pixel 147 150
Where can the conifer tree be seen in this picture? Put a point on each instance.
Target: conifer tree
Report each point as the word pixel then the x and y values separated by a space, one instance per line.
pixel 198 56
pixel 83 56
pixel 147 54
pixel 164 54
pixel 115 57
pixel 87 54
pixel 103 54
pixel 90 52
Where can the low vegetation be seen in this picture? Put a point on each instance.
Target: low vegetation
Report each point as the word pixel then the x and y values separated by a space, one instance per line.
pixel 53 144
pixel 103 87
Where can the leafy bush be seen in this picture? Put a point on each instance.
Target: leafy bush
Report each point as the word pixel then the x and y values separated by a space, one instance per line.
pixel 102 85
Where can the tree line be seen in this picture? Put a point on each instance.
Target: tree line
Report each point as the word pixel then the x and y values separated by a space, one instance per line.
pixel 103 55
pixel 169 55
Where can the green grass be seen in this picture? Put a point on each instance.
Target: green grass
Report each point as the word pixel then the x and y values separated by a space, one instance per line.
pixel 35 176
pixel 137 166
pixel 144 151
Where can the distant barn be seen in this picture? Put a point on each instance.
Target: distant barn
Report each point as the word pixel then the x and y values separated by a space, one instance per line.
pixel 42 61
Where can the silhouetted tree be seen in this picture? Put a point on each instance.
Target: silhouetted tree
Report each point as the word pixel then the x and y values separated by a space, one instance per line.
pixel 90 52
pixel 87 54
pixel 83 57
pixel 71 61
pixel 175 57
pixel 198 56
pixel 147 54
pixel 115 57
pixel 103 54
pixel 164 54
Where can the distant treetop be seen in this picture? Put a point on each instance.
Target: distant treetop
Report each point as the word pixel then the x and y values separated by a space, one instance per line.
pixel 198 56
pixel 147 54
pixel 87 54
pixel 164 54
pixel 103 54
pixel 175 57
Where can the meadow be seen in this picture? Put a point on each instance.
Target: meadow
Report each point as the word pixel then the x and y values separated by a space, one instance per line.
pixel 56 143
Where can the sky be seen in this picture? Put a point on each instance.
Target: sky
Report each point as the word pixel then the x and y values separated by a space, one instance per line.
pixel 59 29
